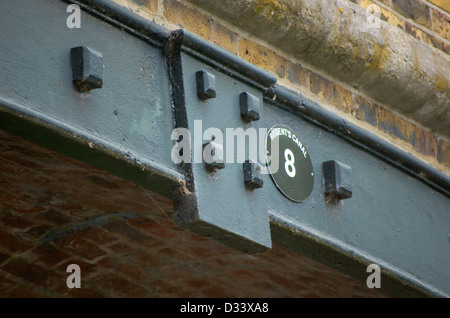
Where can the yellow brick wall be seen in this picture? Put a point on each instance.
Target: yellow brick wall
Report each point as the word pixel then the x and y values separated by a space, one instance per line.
pixel 428 21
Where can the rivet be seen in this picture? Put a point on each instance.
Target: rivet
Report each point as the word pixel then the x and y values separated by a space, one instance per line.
pixel 252 175
pixel 206 84
pixel 337 178
pixel 250 107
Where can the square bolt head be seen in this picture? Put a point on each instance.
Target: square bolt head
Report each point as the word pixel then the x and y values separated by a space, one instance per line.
pixel 87 68
pixel 338 183
pixel 206 85
pixel 252 175
pixel 213 156
pixel 250 107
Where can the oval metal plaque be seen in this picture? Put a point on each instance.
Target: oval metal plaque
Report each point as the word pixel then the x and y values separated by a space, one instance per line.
pixel 293 173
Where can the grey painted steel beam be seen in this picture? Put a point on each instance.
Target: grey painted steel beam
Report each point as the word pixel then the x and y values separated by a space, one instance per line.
pixel 218 204
pixel 392 219
pixel 123 127
pixel 398 213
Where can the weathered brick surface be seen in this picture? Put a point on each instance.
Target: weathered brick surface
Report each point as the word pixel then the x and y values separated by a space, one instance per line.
pixel 225 38
pixel 394 125
pixel 415 10
pixel 298 75
pixel 366 110
pixel 148 9
pixel 441 23
pixel 422 141
pixel 262 57
pixel 188 18
pixel 425 142
pixel 415 32
pixel 3 257
pixel 30 272
pixel 438 43
pixel 385 14
pixel 443 4
pixel 13 243
pixel 443 152
pixel 75 244
pixel 333 93
pixel 50 255
pixel 145 255
pixel 152 5
pixel 391 18
pixel 418 18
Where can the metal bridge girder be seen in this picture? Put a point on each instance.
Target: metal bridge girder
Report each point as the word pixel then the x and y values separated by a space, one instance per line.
pixel 369 202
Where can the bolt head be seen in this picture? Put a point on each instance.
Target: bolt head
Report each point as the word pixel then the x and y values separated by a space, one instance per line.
pixel 206 85
pixel 87 68
pixel 250 107
pixel 213 156
pixel 337 177
pixel 252 175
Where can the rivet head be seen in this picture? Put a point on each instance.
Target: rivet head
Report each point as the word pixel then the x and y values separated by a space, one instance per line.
pixel 250 107
pixel 87 68
pixel 252 175
pixel 206 85
pixel 337 177
pixel 213 156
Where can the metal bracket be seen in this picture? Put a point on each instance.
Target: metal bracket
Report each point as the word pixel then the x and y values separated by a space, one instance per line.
pixel 252 175
pixel 250 106
pixel 206 85
pixel 337 176
pixel 87 66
